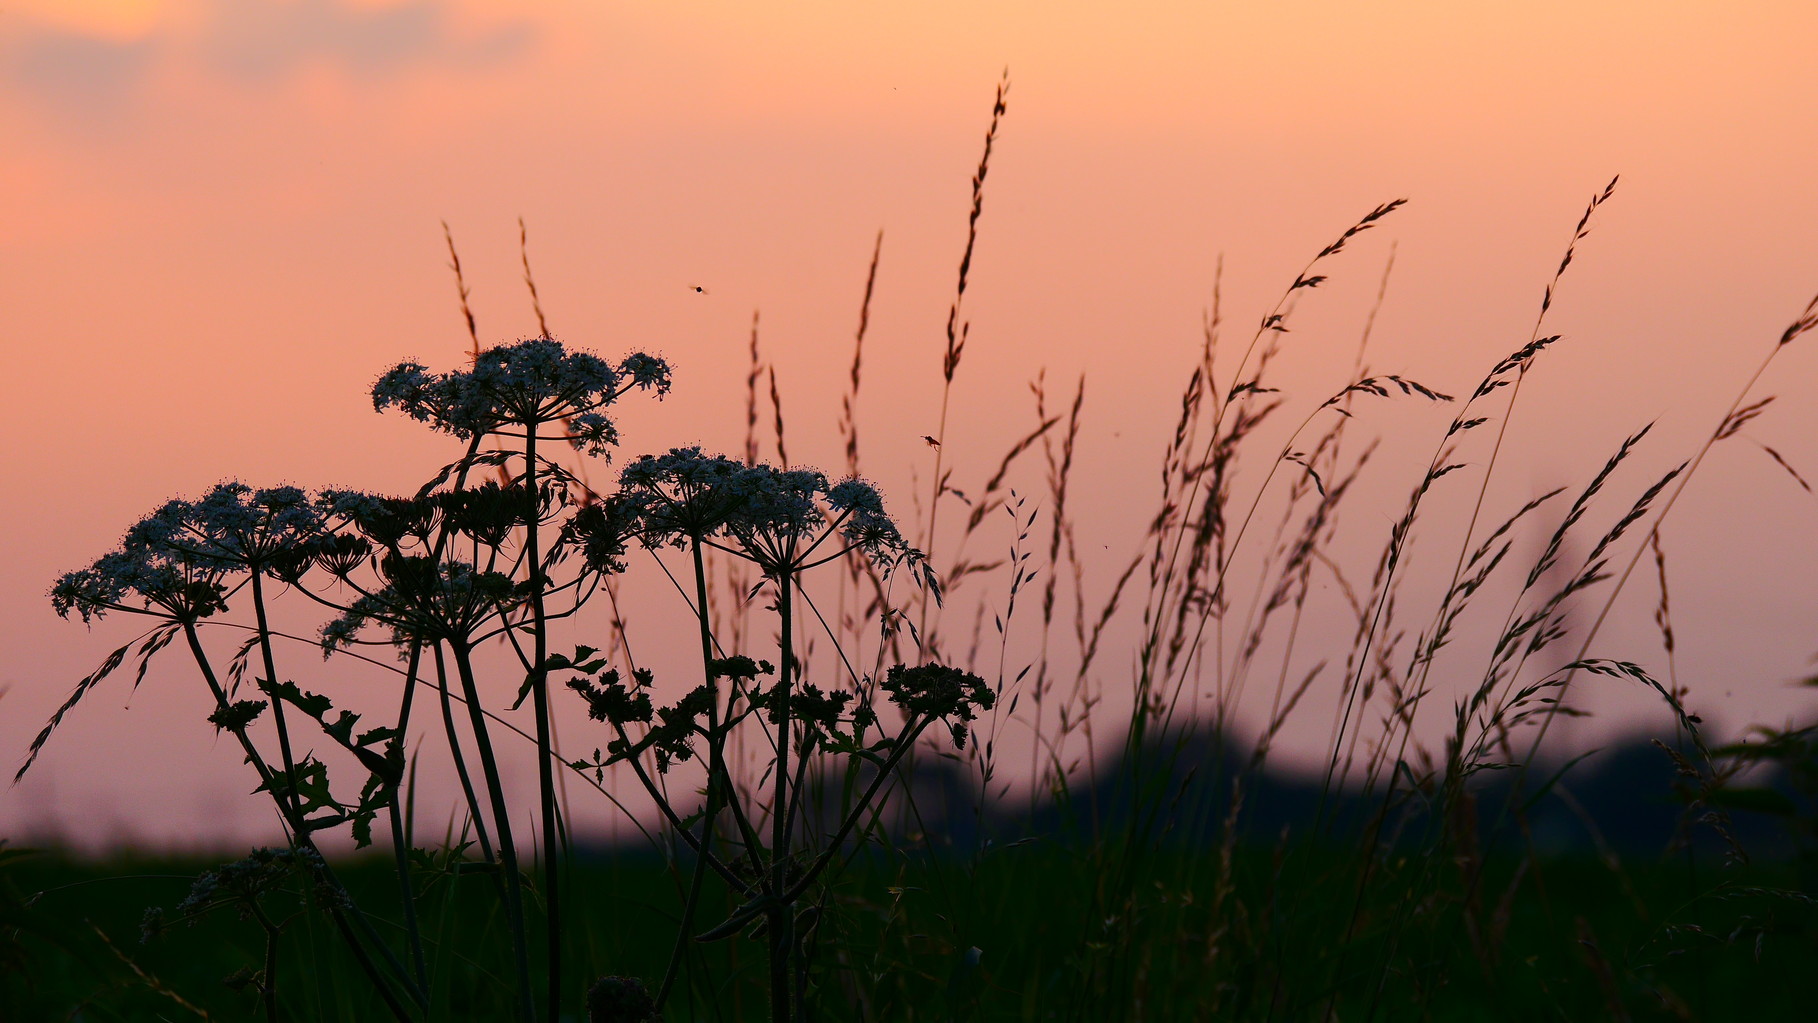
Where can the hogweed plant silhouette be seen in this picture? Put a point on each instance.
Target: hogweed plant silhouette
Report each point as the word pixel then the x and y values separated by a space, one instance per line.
pixel 791 753
pixel 435 574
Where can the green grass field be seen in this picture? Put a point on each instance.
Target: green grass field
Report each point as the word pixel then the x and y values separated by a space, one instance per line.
pixel 1058 937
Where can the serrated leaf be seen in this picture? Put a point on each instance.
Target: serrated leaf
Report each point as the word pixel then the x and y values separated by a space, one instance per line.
pixel 375 735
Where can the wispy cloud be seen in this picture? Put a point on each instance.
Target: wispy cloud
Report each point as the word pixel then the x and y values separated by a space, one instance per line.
pixel 70 73
pixel 263 40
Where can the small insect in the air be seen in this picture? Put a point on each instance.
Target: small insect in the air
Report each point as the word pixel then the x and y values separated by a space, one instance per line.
pixel 931 441
pixel 697 289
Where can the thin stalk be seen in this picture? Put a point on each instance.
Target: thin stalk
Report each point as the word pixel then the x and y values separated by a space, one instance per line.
pixel 290 777
pixel 277 702
pixel 781 920
pixel 913 730
pixel 957 331
pixel 770 903
pixel 268 981
pixel 539 690
pixel 460 760
pixel 501 820
pixel 400 845
pixel 656 795
pixel 716 743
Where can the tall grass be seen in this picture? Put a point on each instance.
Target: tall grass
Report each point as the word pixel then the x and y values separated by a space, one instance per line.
pixel 832 854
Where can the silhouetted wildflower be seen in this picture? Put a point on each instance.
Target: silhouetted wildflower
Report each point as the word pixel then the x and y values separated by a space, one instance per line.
pixel 939 692
pixel 526 384
pixel 684 493
pixel 777 518
pixel 386 521
pixel 604 529
pixel 172 562
pixel 426 600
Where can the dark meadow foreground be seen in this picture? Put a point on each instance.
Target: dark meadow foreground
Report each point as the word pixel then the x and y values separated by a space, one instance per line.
pixel 832 832
pixel 1173 925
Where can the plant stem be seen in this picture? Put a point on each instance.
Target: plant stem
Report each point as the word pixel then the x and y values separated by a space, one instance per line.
pixel 268 983
pixel 302 840
pixel 780 917
pixel 400 844
pixel 501 820
pixel 460 760
pixel 277 702
pixel 539 690
pixel 716 744
pixel 912 731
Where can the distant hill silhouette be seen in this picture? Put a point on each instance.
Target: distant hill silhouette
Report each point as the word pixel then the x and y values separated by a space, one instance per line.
pixel 1176 793
pixel 1177 790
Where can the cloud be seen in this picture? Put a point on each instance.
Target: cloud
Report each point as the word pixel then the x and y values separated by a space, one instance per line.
pixel 273 38
pixel 75 74
pixel 69 72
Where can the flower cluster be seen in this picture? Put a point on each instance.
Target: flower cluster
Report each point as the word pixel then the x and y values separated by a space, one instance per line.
pixel 424 593
pixel 671 729
pixel 488 512
pixel 778 518
pixel 866 527
pixel 173 561
pixel 526 384
pixel 609 700
pixel 235 525
pixel 603 530
pixel 685 494
pixel 386 521
pixel 821 712
pixel 938 692
pixel 427 600
pixel 163 584
pixel 240 882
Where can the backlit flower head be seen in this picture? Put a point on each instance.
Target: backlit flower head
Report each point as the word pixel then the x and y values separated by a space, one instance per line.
pixel 426 600
pixel 604 529
pixel 785 517
pixel 685 493
pixel 489 512
pixel 237 525
pixel 142 581
pixel 172 562
pixel 939 692
pixel 386 521
pixel 524 384
pixel 866 527
pixel 778 503
pixel 782 519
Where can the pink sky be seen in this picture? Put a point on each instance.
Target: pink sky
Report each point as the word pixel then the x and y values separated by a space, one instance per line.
pixel 225 223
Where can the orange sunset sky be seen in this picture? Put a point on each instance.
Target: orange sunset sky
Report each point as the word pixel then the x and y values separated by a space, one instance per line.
pixel 223 221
